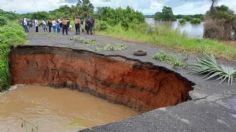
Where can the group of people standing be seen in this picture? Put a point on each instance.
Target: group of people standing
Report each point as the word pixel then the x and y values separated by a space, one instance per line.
pixel 61 25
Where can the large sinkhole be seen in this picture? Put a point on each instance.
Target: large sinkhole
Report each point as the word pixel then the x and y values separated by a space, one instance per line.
pixel 117 79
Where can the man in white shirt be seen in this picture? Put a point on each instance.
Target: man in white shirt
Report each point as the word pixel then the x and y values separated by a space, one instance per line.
pixel 44 24
pixel 25 25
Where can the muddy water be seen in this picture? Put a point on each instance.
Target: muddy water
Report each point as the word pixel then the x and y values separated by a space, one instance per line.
pixel 45 109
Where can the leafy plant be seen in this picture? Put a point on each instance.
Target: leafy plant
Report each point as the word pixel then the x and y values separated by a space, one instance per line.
pixel 11 34
pixel 169 59
pixel 208 66
pixel 3 21
pixel 101 25
pixel 113 47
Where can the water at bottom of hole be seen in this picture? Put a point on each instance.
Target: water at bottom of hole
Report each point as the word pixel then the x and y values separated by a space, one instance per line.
pixel 45 109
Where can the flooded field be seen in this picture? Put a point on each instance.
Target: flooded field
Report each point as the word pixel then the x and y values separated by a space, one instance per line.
pixel 191 30
pixel 44 109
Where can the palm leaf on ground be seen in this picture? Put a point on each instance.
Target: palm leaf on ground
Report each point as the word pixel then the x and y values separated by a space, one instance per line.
pixel 208 66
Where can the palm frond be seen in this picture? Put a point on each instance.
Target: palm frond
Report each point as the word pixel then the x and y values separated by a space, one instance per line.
pixel 208 66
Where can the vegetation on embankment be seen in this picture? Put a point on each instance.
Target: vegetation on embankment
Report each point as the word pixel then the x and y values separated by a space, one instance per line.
pixel 11 34
pixel 166 37
pixel 129 24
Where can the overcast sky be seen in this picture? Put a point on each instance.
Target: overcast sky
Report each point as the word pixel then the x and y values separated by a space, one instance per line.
pixel 145 6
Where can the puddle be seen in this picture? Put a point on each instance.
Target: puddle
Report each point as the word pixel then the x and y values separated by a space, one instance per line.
pixel 44 109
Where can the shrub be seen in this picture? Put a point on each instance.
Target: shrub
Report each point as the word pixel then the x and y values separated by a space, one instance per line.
pixel 125 17
pixel 208 66
pixel 213 29
pixel 101 25
pixel 187 18
pixel 195 21
pixel 182 21
pixel 3 21
pixel 10 35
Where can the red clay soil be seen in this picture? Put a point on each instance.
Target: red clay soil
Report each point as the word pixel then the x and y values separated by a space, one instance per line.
pixel 139 85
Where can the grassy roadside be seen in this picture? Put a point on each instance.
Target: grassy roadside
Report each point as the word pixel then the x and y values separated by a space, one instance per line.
pixel 164 36
pixel 11 34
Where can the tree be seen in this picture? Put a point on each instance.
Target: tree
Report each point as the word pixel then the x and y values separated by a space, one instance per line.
pixel 40 15
pixel 213 4
pixel 125 17
pixel 165 15
pixel 85 7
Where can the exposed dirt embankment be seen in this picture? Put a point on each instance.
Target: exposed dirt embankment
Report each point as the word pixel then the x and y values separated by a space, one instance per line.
pixel 139 85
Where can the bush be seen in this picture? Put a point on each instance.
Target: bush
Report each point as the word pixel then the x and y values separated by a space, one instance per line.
pixel 195 21
pixel 3 21
pixel 124 17
pixel 9 15
pixel 187 18
pixel 213 29
pixel 182 21
pixel 101 25
pixel 10 35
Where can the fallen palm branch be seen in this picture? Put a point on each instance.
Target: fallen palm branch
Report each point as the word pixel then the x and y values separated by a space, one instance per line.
pixel 208 66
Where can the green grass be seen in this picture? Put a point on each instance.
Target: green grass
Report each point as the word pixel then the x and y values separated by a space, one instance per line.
pixel 11 34
pixel 172 39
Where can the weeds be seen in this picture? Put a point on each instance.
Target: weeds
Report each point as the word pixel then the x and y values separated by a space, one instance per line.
pixel 84 41
pixel 175 62
pixel 113 47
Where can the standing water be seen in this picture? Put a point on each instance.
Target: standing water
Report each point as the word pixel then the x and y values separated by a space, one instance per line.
pixel 191 30
pixel 44 109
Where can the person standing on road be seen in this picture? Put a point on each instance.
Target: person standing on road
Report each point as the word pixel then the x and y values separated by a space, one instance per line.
pixel 50 25
pixel 44 24
pixel 92 21
pixel 58 27
pixel 68 24
pixel 87 25
pixel 82 25
pixel 36 23
pixel 64 26
pixel 77 26
pixel 54 25
pixel 25 25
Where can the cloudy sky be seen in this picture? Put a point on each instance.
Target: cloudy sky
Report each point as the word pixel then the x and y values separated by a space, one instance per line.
pixel 145 6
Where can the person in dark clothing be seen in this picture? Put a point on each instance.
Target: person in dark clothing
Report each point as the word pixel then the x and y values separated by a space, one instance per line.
pixel 87 25
pixel 77 26
pixel 68 24
pixel 92 21
pixel 50 26
pixel 64 26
